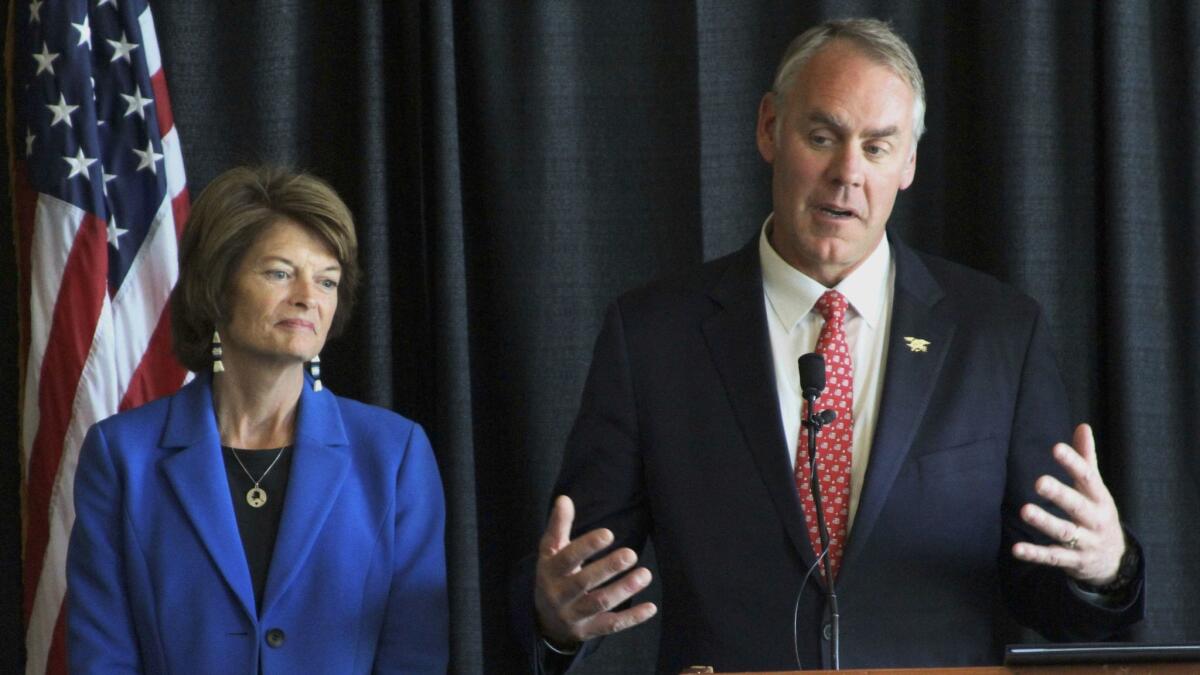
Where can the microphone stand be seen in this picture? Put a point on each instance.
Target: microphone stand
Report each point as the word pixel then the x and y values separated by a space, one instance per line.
pixel 813 423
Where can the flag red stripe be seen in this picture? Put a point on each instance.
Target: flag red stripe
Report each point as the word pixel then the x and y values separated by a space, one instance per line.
pixel 76 312
pixel 158 373
pixel 162 102
pixel 181 206
pixel 25 206
pixel 56 659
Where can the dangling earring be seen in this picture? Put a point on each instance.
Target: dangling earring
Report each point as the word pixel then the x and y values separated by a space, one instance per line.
pixel 217 365
pixel 314 367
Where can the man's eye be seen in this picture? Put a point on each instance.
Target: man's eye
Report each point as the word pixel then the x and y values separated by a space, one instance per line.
pixel 877 151
pixel 820 140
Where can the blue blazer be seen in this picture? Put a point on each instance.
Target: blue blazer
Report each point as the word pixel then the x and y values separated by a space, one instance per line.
pixel 679 440
pixel 157 576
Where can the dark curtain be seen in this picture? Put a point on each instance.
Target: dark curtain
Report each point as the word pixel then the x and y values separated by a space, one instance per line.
pixel 515 166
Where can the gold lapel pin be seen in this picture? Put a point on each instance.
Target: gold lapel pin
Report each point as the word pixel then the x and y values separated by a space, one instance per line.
pixel 917 344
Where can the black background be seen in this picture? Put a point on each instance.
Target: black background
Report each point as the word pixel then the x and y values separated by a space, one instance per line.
pixel 513 166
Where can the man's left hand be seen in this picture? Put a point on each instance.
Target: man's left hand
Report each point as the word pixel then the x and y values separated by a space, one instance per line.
pixel 1091 542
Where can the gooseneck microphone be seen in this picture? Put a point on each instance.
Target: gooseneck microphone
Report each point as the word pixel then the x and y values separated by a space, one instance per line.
pixel 812 375
pixel 812 383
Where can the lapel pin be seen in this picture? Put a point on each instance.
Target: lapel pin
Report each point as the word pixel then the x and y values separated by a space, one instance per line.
pixel 917 344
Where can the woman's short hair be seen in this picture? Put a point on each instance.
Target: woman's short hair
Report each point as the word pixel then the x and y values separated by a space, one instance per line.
pixel 231 214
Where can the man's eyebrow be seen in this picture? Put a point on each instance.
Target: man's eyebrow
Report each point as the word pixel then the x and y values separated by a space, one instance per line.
pixel 828 120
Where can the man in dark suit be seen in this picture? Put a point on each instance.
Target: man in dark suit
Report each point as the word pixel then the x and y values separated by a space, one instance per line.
pixel 953 493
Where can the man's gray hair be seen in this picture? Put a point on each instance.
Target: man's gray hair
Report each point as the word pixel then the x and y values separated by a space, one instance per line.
pixel 877 41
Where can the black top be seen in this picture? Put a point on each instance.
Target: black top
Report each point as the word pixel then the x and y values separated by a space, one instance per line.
pixel 258 526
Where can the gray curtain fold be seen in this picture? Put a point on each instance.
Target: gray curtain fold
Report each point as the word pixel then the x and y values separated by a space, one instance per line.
pixel 515 166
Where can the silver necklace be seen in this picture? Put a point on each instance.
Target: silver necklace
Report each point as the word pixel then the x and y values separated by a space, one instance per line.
pixel 256 496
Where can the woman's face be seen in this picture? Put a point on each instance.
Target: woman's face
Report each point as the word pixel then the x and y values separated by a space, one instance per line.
pixel 282 297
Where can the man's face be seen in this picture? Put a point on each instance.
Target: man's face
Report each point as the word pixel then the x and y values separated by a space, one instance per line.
pixel 844 148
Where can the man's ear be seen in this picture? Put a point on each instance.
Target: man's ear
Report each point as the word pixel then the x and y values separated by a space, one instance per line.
pixel 765 130
pixel 910 171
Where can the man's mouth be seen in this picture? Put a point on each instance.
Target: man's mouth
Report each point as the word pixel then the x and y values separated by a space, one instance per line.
pixel 836 213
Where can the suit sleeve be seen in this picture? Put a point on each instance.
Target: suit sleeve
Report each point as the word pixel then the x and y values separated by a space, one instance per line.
pixel 601 472
pixel 416 628
pixel 1041 597
pixel 101 637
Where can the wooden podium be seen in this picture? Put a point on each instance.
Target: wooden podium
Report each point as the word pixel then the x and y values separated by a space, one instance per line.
pixel 1165 668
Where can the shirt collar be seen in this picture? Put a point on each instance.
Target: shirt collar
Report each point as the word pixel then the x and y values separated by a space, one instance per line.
pixel 793 294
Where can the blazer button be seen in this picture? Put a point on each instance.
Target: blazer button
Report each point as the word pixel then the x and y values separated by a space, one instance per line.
pixel 275 638
pixel 826 632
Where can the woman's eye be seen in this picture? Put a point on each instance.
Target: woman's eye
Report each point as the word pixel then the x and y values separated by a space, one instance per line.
pixel 329 284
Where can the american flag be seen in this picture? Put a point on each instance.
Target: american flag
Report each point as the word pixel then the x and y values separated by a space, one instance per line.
pixel 100 197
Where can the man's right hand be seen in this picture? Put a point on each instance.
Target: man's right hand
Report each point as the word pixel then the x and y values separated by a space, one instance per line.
pixel 572 607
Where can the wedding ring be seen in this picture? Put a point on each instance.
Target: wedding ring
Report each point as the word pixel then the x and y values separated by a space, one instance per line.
pixel 1073 542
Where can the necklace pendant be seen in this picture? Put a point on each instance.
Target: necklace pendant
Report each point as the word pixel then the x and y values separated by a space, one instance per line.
pixel 256 497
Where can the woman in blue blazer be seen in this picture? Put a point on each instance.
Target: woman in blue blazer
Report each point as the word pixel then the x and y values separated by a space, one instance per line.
pixel 253 521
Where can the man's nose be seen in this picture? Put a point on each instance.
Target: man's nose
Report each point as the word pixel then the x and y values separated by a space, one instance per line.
pixel 847 167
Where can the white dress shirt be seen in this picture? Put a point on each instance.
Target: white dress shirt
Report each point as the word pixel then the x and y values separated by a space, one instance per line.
pixel 794 326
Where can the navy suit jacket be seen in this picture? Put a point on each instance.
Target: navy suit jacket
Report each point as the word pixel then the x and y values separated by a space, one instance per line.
pixel 679 439
pixel 157 576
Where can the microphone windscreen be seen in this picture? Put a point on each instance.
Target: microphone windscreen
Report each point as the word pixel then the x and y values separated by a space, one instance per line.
pixel 812 374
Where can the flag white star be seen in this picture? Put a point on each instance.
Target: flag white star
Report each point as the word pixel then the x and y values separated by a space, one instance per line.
pixel 62 111
pixel 85 32
pixel 79 165
pixel 114 233
pixel 45 60
pixel 29 142
pixel 122 48
pixel 106 2
pixel 108 177
pixel 35 11
pixel 136 103
pixel 148 157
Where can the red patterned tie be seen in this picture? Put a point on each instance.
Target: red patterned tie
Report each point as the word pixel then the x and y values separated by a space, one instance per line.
pixel 835 440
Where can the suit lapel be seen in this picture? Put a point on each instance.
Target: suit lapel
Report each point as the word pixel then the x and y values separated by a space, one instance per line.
pixel 197 475
pixel 907 387
pixel 319 468
pixel 741 350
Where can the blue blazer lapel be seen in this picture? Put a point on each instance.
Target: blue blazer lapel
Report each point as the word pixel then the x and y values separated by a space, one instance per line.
pixel 907 386
pixel 741 350
pixel 319 468
pixel 197 475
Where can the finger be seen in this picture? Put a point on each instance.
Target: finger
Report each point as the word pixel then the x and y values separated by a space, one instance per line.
pixel 1057 529
pixel 1084 473
pixel 614 622
pixel 1085 444
pixel 600 600
pixel 1066 498
pixel 1088 480
pixel 569 558
pixel 569 588
pixel 600 572
pixel 558 529
pixel 1053 556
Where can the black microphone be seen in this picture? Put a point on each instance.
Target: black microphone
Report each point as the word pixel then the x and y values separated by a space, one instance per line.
pixel 812 375
pixel 812 383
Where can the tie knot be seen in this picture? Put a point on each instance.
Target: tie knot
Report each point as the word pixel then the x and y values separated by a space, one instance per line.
pixel 832 306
